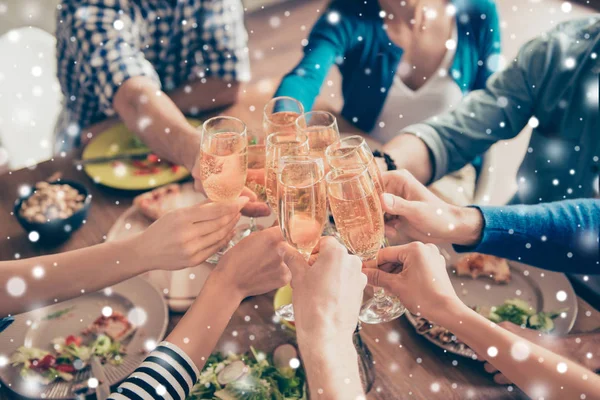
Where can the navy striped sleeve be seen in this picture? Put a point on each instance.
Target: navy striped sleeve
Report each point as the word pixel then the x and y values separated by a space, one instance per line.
pixel 167 373
pixel 5 322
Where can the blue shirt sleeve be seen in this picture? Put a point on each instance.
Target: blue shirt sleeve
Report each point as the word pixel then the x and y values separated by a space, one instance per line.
pixel 560 236
pixel 327 44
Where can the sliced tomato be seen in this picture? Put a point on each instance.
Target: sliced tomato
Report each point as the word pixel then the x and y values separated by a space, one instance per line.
pixel 175 168
pixel 48 361
pixel 68 368
pixel 138 164
pixel 153 158
pixel 71 339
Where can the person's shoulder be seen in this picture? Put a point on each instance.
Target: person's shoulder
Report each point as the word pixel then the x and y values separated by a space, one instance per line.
pixel 567 40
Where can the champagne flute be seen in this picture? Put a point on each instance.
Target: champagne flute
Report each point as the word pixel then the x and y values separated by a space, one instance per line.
pixel 224 161
pixel 351 151
pixel 302 200
pixel 279 144
pixel 255 179
pixel 358 217
pixel 321 129
pixel 280 115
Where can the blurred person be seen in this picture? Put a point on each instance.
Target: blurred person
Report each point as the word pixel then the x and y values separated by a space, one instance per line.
pixel 417 274
pixel 401 62
pixel 149 63
pixel 552 86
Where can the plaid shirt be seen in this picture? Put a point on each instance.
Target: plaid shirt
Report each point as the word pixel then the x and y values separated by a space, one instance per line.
pixel 102 43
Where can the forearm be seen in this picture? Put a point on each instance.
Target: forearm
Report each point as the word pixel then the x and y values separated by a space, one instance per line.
pixel 564 234
pixel 203 324
pixel 176 363
pixel 536 370
pixel 59 277
pixel 331 368
pixel 157 120
pixel 411 153
pixel 198 96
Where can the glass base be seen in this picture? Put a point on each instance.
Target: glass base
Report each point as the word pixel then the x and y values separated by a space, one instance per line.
pixel 214 259
pixel 379 310
pixel 245 230
pixel 286 312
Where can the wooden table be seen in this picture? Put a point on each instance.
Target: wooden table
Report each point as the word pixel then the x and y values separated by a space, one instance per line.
pixel 406 364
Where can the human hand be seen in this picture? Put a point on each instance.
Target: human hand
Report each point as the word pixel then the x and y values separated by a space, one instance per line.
pixel 253 208
pixel 423 216
pixel 415 273
pixel 188 236
pixel 252 267
pixel 327 295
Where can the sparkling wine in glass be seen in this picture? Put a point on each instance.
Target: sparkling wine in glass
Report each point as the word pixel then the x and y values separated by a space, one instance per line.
pixel 302 199
pixel 321 129
pixel 255 181
pixel 281 144
pixel 352 151
pixel 223 161
pixel 280 115
pixel 358 218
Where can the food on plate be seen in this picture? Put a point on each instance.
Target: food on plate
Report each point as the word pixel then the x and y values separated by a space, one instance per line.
pixel 68 356
pixel 521 313
pixel 516 311
pixel 152 165
pixel 116 326
pixel 158 202
pixel 476 264
pixel 252 376
pixel 51 201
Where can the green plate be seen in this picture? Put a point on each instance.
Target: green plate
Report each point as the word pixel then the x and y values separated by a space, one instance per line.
pixel 117 140
pixel 283 296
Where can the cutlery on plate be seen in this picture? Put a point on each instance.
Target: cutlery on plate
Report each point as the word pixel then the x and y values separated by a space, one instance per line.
pixel 117 157
pixel 103 388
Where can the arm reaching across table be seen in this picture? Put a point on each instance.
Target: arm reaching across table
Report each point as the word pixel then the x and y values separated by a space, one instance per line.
pixel 182 238
pixel 327 297
pixel 561 236
pixel 424 287
pixel 175 363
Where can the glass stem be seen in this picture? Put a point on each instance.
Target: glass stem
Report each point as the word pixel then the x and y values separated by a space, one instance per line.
pixel 252 224
pixel 378 293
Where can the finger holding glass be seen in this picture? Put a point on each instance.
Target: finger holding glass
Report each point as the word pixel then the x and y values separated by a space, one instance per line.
pixel 358 217
pixel 302 204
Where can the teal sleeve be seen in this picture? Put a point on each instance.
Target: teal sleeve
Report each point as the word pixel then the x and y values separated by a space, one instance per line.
pixel 327 44
pixel 560 236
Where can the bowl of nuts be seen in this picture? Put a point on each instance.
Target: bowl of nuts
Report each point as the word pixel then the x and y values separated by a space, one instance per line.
pixel 53 210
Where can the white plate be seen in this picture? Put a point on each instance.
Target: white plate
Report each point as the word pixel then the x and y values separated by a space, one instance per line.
pixel 34 329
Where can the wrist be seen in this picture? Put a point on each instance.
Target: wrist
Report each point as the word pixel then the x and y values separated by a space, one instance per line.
pixel 130 255
pixel 470 227
pixel 220 282
pixel 450 313
pixel 190 147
